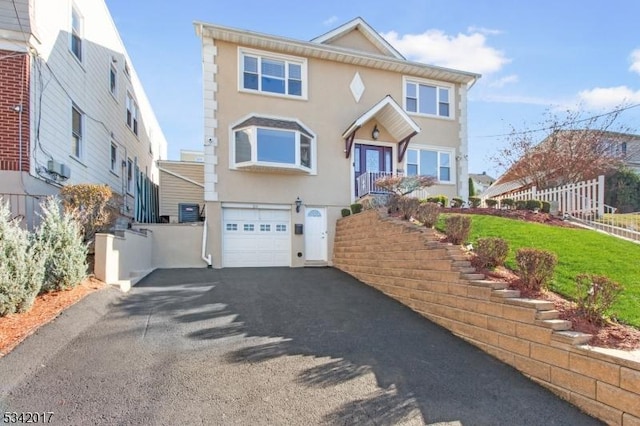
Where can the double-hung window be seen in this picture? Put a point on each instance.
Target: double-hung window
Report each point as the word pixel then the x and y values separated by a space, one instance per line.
pixel 269 143
pixel 427 99
pixel 132 113
pixel 278 75
pixel 113 154
pixel 430 162
pixel 76 132
pixel 113 80
pixel 76 33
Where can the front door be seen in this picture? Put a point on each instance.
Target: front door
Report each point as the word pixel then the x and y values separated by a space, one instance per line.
pixel 372 159
pixel 315 240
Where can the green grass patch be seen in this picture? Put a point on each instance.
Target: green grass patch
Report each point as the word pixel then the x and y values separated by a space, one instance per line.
pixel 578 250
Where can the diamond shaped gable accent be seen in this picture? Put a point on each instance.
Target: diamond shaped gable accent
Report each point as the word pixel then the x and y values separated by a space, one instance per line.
pixel 357 87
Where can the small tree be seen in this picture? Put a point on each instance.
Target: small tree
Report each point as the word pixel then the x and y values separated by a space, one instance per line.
pixel 622 190
pixel 92 205
pixel 59 240
pixel 404 185
pixel 472 188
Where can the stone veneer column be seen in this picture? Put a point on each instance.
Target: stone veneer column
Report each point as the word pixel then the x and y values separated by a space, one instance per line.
pixel 210 88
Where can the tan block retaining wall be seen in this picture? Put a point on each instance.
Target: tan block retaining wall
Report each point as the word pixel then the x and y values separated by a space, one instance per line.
pixel 407 263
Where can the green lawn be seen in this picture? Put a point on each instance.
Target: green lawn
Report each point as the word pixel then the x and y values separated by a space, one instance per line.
pixel 578 250
pixel 631 221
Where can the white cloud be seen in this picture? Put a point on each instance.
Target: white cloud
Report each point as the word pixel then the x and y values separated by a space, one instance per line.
pixel 501 82
pixel 483 30
pixel 635 61
pixel 330 21
pixel 608 97
pixel 467 52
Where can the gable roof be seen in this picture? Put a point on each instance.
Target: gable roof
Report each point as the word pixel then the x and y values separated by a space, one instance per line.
pixel 359 24
pixel 391 116
pixel 482 178
pixel 330 52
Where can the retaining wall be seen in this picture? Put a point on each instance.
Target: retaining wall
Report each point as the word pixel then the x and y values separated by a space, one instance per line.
pixel 435 279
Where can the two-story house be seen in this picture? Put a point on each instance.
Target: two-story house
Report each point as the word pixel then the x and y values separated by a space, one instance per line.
pixel 72 109
pixel 297 130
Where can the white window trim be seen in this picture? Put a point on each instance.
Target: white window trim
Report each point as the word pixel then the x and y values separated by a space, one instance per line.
pixel 279 57
pixel 75 9
pixel 130 181
pixel 437 84
pixel 113 168
pixel 83 131
pixel 114 92
pixel 254 153
pixel 439 149
pixel 135 118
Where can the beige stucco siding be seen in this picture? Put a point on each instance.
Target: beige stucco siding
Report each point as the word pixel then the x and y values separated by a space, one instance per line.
pixel 180 182
pixel 355 40
pixel 328 111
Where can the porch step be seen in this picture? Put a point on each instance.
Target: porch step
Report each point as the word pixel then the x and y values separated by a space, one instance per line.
pixel 495 285
pixel 571 337
pixel 465 269
pixel 555 324
pixel 461 264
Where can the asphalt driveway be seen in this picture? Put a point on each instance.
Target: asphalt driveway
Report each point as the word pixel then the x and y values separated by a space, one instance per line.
pixel 263 346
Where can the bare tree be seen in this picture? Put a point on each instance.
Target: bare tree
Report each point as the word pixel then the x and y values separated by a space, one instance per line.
pixel 575 149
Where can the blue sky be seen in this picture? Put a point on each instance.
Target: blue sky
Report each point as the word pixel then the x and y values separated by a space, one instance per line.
pixel 534 56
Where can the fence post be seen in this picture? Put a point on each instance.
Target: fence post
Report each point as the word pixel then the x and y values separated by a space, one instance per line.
pixel 600 195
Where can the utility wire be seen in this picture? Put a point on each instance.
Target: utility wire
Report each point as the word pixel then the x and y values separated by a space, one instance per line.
pixel 546 129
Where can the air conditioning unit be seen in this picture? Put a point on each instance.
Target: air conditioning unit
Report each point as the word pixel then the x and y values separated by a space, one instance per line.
pixel 188 212
pixel 59 169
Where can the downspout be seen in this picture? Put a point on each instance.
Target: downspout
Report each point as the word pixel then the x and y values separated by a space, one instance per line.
pixel 206 258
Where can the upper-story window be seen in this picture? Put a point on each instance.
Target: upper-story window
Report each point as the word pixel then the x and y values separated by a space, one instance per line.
pixel 430 162
pixel 76 132
pixel 113 153
pixel 269 143
pixel 113 80
pixel 76 33
pixel 427 98
pixel 132 113
pixel 272 74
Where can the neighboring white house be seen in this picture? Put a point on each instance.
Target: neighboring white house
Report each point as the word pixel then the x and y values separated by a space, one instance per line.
pixel 73 108
pixel 481 181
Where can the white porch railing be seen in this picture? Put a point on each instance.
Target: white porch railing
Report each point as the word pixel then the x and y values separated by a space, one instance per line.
pixel 366 183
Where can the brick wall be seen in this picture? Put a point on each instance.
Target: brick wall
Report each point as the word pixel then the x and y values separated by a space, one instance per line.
pixel 434 279
pixel 14 91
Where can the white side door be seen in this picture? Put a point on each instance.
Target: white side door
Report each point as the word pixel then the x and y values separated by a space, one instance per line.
pixel 315 233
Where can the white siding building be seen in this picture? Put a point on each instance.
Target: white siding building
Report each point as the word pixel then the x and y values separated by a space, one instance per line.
pixel 80 114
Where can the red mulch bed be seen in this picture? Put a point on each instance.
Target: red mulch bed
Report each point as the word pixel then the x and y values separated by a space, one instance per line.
pixel 15 328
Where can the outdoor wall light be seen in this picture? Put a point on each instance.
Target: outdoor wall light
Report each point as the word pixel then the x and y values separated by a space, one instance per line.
pixel 376 133
pixel 298 204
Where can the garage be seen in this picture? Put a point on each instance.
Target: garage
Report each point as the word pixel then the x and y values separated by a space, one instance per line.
pixel 256 237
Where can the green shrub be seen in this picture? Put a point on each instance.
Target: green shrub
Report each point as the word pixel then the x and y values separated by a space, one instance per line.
pixel 546 207
pixel 507 202
pixel 536 267
pixel 21 269
pixel 521 205
pixel 443 200
pixel 345 212
pixel 457 228
pixel 491 203
pixel 475 201
pixel 428 214
pixel 456 202
pixel 596 295
pixel 533 205
pixel 491 252
pixel 59 240
pixel 356 208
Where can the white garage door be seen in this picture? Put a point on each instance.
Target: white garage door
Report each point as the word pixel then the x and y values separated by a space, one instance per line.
pixel 256 237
